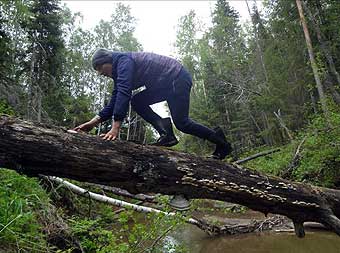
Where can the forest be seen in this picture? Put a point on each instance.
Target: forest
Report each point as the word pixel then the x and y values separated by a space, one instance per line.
pixel 271 83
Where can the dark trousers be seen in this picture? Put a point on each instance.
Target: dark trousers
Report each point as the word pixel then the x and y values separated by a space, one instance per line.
pixel 177 96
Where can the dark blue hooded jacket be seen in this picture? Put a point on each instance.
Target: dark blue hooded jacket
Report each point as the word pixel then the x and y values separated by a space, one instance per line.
pixel 131 70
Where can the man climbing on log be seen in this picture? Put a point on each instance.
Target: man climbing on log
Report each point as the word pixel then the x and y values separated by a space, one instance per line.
pixel 165 79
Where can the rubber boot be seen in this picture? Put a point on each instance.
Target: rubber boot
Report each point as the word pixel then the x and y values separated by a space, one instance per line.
pixel 167 137
pixel 223 147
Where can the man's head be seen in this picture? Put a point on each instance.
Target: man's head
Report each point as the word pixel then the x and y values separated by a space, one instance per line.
pixel 102 61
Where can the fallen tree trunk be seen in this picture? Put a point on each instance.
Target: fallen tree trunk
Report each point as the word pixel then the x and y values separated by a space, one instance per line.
pixel 35 149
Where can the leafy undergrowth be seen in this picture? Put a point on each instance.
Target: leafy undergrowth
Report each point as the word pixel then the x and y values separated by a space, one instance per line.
pixel 26 224
pixel 273 163
pixel 103 228
pixel 319 154
pixel 127 232
pixel 21 202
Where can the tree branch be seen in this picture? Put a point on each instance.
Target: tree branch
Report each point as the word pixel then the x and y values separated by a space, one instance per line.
pixel 252 157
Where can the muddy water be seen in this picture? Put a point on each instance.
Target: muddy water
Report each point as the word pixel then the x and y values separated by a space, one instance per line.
pixel 197 241
pixel 270 242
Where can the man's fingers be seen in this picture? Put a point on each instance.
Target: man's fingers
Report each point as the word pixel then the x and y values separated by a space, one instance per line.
pixel 105 136
pixel 79 128
pixel 111 138
pixel 108 137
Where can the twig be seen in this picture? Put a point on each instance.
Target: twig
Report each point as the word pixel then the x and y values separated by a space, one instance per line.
pixel 9 223
pixel 143 240
pixel 295 161
pixel 160 237
pixel 252 157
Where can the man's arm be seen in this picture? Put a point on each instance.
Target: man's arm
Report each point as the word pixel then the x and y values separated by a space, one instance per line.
pixel 107 111
pixel 123 86
pixel 87 126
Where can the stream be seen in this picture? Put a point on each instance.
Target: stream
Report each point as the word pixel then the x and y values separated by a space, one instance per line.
pixel 197 241
pixel 267 242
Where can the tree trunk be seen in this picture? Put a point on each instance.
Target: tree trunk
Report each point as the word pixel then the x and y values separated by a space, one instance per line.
pixel 257 40
pixel 312 60
pixel 283 125
pixel 327 52
pixel 324 45
pixel 31 87
pixel 34 149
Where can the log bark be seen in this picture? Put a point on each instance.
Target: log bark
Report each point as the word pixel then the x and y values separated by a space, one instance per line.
pixel 34 149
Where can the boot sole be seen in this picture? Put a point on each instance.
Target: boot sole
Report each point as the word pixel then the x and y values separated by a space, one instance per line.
pixel 171 143
pixel 168 144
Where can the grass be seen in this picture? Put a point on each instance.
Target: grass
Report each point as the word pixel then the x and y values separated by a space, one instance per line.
pixel 21 199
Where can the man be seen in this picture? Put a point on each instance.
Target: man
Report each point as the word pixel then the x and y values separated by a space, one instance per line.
pixel 165 79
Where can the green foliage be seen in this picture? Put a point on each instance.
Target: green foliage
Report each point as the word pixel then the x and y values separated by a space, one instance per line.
pixel 96 226
pixel 125 232
pixel 6 109
pixel 100 227
pixel 21 199
pixel 241 78
pixel 321 152
pixel 77 110
pixel 274 163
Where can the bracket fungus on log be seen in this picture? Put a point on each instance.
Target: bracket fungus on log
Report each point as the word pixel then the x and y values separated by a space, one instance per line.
pixel 35 149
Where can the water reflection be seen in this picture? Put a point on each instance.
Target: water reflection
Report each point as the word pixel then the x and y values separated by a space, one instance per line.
pixel 314 242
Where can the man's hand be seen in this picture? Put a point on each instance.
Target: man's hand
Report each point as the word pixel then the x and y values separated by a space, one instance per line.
pixel 87 126
pixel 113 133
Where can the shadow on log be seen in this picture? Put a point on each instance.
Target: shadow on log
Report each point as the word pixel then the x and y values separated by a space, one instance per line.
pixel 34 149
